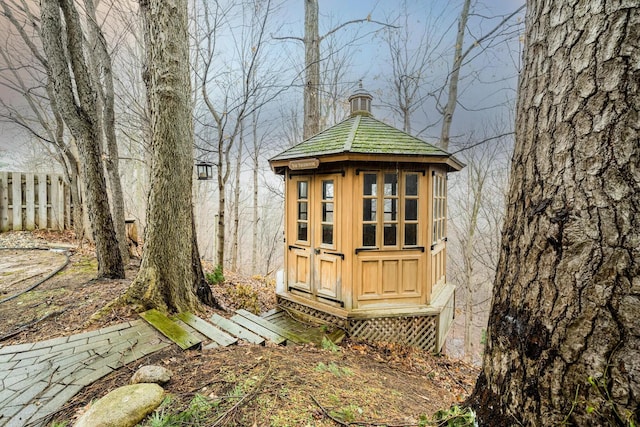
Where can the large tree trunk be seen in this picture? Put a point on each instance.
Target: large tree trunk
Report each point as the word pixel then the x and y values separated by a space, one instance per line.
pixel 312 69
pixel 564 331
pixel 81 118
pixel 166 278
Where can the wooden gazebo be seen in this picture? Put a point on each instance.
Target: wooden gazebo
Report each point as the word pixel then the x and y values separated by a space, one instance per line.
pixel 366 230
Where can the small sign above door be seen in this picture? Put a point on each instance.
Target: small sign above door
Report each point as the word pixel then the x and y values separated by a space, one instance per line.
pixel 297 165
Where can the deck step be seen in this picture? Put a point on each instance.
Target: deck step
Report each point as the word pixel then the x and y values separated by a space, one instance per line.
pixel 171 329
pixel 258 328
pixel 222 339
pixel 236 330
pixel 274 313
pixel 283 332
pixel 306 332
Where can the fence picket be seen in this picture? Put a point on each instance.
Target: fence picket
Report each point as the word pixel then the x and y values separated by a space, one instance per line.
pixel 30 217
pixel 42 201
pixel 4 201
pixel 30 200
pixel 16 202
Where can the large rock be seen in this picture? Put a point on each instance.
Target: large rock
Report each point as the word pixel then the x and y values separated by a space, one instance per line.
pixel 151 374
pixel 123 407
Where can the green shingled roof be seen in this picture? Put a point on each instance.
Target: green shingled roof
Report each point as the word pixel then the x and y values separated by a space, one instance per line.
pixel 361 134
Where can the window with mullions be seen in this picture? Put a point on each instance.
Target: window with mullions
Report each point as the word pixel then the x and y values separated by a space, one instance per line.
pixel 411 210
pixel 390 201
pixel 370 209
pixel 303 211
pixel 398 196
pixel 439 207
pixel 327 211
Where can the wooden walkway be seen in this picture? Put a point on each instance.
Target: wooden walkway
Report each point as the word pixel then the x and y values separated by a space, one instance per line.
pixel 276 326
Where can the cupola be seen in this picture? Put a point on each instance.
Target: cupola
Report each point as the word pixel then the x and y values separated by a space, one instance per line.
pixel 360 102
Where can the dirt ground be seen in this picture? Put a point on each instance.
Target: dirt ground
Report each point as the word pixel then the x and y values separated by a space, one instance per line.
pixel 356 383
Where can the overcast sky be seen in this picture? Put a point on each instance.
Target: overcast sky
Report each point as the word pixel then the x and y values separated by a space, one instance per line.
pixel 370 57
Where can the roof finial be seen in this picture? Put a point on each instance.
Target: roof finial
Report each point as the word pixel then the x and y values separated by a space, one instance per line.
pixel 360 84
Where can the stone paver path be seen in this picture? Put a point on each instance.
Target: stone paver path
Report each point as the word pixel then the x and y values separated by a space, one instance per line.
pixel 37 379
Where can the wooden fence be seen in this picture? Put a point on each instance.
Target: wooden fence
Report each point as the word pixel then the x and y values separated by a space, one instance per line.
pixel 30 201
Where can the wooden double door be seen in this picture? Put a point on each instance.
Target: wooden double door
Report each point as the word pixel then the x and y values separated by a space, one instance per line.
pixel 314 252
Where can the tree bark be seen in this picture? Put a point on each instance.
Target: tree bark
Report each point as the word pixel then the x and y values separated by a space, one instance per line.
pixel 236 203
pixel 81 117
pixel 103 82
pixel 200 285
pixel 312 70
pixel 256 170
pixel 166 278
pixel 564 335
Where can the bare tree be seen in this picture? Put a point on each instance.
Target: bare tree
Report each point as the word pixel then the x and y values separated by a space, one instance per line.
pixel 563 338
pixel 336 86
pixel 235 101
pixel 412 56
pixel 493 36
pixel 75 97
pixel 311 42
pixel 41 119
pixel 477 199
pixel 102 75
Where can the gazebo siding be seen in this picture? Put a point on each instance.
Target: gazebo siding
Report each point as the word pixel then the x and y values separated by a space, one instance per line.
pixel 393 295
pixel 395 292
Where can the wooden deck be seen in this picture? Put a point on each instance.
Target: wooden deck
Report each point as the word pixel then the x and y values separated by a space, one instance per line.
pixel 276 326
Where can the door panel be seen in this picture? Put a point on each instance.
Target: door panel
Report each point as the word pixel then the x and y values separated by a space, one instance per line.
pixel 327 256
pixel 299 236
pixel 390 277
pixel 329 280
pixel 314 257
pixel 301 273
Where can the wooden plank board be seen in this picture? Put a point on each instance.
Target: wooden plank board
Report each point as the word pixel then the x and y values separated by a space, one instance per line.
pixel 290 335
pixel 236 330
pixel 274 312
pixel 4 201
pixel 258 329
pixel 170 329
pixel 30 200
pixel 206 328
pixel 16 200
pixel 42 201
pixel 211 346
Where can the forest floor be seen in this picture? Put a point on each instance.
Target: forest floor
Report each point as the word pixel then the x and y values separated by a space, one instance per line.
pixel 356 383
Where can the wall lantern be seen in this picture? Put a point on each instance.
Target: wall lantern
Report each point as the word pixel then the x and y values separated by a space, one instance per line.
pixel 204 170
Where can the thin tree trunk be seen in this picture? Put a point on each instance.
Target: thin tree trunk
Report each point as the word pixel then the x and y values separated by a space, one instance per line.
pixel 563 333
pixel 312 69
pixel 452 99
pixel 200 285
pixel 81 118
pixel 256 166
pixel 224 172
pixel 103 80
pixel 476 181
pixel 236 203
